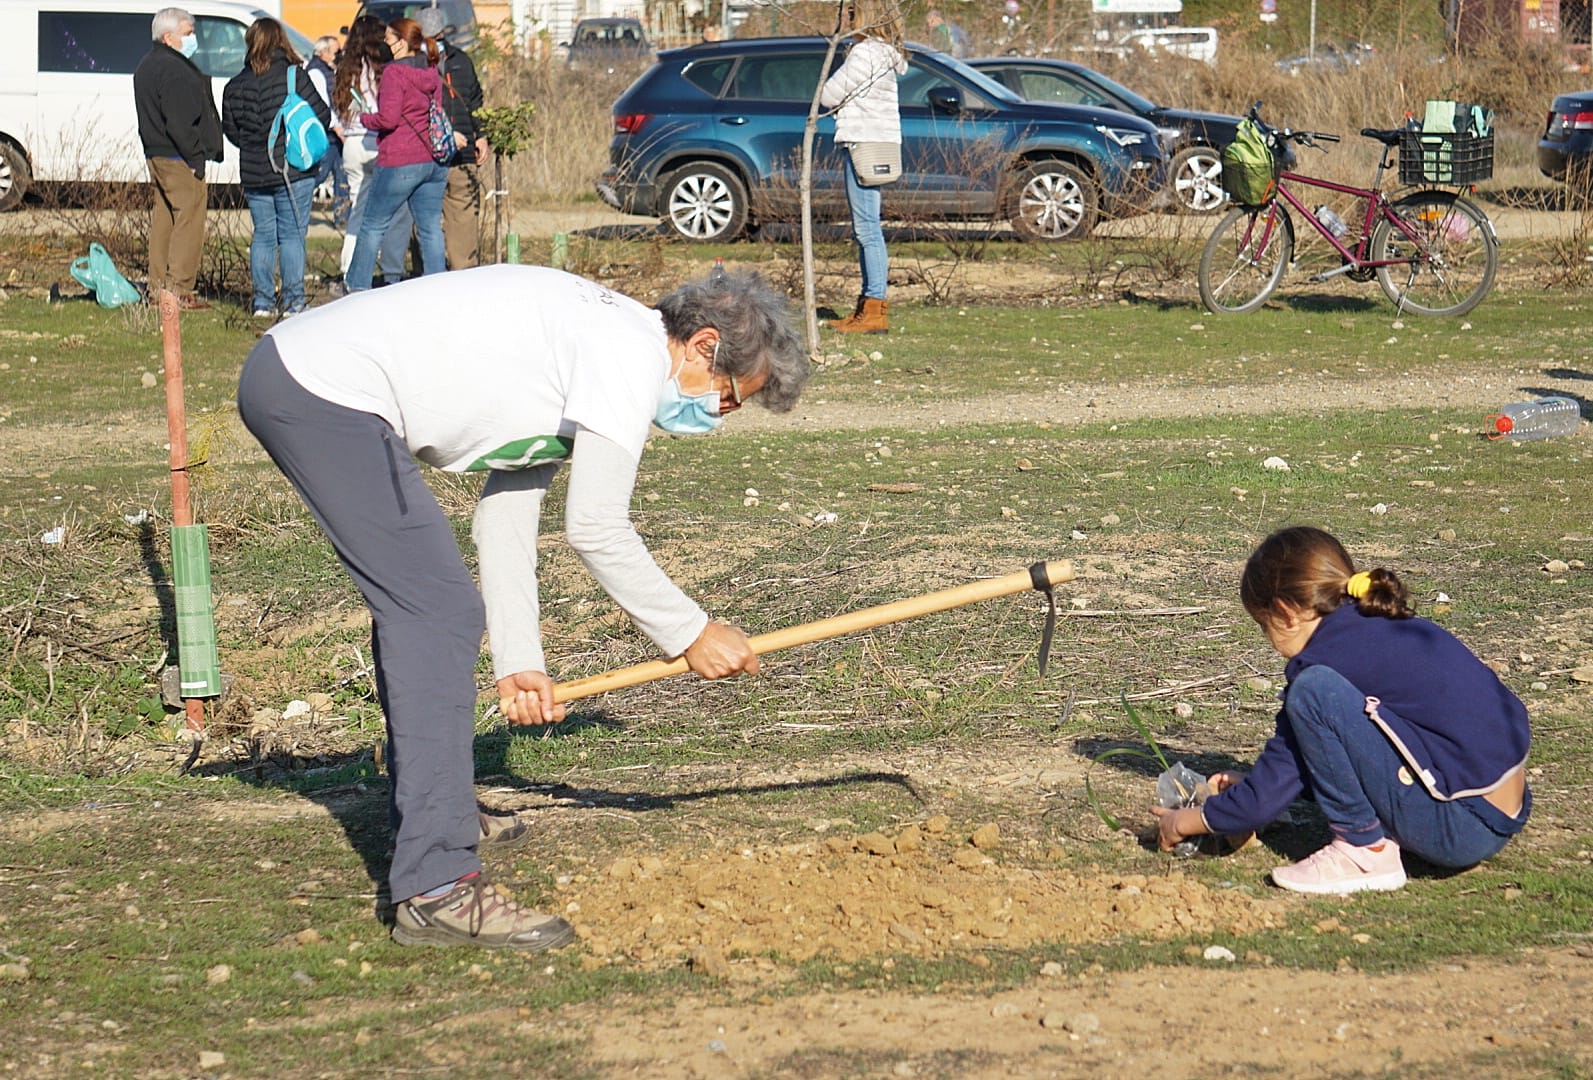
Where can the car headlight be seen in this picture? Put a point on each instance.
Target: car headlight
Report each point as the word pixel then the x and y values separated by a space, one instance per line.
pixel 1122 136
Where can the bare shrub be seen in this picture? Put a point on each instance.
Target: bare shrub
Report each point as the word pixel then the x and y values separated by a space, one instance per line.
pixel 568 149
pixel 1570 254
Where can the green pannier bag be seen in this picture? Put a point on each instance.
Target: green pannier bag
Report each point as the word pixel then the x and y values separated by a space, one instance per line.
pixel 1249 167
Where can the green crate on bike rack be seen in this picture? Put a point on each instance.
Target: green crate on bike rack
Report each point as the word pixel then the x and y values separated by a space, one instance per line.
pixel 1444 158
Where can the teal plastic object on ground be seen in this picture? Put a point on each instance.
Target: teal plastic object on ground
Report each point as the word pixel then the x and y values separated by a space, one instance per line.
pixel 198 664
pixel 97 273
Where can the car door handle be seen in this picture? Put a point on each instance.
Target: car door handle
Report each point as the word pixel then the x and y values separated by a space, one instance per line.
pixel 732 119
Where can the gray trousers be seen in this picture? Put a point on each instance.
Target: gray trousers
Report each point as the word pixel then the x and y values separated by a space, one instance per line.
pixel 363 486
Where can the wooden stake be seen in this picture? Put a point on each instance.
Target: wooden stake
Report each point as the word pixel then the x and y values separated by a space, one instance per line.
pixel 182 512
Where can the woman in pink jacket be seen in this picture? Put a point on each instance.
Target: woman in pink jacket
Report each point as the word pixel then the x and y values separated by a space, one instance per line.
pixel 405 170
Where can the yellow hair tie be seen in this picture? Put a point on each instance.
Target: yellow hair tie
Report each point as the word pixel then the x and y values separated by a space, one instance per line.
pixel 1359 584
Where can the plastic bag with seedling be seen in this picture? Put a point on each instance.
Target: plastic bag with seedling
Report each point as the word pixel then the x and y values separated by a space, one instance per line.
pixel 1177 786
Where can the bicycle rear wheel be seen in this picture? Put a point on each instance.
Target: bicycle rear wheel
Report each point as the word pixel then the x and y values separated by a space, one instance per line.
pixel 1451 266
pixel 1245 259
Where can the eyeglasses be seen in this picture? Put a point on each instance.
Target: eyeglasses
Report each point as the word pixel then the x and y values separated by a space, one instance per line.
pixel 735 398
pixel 735 387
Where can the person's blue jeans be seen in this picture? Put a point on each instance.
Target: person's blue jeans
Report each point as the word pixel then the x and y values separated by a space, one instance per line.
pixel 871 256
pixel 420 187
pixel 1363 787
pixel 281 217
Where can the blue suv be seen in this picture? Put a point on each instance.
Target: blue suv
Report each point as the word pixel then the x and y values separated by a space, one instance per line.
pixel 709 139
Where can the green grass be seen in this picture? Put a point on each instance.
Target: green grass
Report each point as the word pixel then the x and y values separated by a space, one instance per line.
pixel 159 878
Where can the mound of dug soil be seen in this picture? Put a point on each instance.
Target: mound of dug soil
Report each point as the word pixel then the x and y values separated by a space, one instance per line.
pixel 925 891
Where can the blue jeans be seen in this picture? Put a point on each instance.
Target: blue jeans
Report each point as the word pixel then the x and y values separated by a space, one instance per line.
pixel 421 187
pixel 281 217
pixel 1364 788
pixel 871 257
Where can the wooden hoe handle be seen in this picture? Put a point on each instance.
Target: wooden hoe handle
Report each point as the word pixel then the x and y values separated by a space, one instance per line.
pixel 1055 573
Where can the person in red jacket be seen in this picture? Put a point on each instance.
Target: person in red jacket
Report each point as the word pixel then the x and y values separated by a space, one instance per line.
pixel 405 170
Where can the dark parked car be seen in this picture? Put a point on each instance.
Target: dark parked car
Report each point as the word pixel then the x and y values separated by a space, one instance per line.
pixel 1195 174
pixel 609 44
pixel 709 140
pixel 1566 150
pixel 459 16
pixel 1329 58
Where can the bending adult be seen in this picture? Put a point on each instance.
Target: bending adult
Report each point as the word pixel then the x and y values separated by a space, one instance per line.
pixel 863 94
pixel 406 175
pixel 180 131
pixel 354 84
pixel 555 368
pixel 278 194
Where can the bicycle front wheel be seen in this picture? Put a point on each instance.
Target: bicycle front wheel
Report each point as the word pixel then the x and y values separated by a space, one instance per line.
pixel 1245 259
pixel 1449 264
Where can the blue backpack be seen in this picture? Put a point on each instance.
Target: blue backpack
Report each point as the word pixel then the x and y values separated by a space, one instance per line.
pixel 304 136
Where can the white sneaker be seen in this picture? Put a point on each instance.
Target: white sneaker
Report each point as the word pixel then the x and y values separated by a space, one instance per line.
pixel 1342 868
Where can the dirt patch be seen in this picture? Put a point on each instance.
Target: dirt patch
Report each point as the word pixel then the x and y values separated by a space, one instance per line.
pixel 1516 1014
pixel 925 891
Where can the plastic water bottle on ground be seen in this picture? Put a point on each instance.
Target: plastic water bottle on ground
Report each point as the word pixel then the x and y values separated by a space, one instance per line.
pixel 1546 418
pixel 717 274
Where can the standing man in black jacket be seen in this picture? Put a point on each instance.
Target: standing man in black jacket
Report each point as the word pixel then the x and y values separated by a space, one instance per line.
pixel 461 92
pixel 180 130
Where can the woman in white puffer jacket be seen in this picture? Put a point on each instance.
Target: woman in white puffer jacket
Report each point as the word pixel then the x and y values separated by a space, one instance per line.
pixel 863 94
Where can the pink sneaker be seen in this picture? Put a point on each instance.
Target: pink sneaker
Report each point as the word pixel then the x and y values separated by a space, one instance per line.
pixel 1342 868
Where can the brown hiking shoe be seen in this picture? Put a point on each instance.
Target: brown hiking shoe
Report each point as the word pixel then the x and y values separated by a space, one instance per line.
pixel 501 833
pixel 871 317
pixel 475 912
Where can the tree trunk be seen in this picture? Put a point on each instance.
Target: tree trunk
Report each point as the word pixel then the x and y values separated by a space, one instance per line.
pixel 805 186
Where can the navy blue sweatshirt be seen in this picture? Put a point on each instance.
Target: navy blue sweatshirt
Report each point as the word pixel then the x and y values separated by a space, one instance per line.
pixel 1459 729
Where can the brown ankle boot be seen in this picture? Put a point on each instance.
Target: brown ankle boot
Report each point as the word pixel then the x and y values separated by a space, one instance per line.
pixel 871 317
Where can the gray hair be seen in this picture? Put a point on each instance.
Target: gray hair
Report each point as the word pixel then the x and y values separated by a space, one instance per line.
pixel 168 21
pixel 326 41
pixel 757 332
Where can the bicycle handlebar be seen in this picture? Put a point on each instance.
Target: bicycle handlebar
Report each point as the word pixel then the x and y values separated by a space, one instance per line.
pixel 1304 138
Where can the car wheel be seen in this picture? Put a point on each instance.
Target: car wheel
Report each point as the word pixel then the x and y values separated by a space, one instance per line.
pixel 14 176
pixel 1052 200
pixel 705 202
pixel 1197 180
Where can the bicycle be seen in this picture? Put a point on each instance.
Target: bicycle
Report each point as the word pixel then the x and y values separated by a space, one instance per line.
pixel 1432 251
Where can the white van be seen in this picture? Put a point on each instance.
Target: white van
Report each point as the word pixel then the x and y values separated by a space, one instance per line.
pixel 66 93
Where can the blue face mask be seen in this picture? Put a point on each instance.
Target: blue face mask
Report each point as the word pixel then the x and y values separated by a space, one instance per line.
pixel 189 45
pixel 687 414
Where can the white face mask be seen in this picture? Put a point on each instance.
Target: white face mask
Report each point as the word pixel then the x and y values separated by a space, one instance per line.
pixel 188 46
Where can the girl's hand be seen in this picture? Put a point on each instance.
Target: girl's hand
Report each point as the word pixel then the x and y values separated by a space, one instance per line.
pixel 1222 781
pixel 1175 825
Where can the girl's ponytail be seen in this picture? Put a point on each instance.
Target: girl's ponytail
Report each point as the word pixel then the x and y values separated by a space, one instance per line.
pixel 1308 570
pixel 1380 592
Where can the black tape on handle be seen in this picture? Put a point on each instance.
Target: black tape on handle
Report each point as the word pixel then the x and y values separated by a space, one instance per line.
pixel 1042 583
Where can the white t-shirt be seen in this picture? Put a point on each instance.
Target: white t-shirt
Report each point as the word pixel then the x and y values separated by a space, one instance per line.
pixel 490 368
